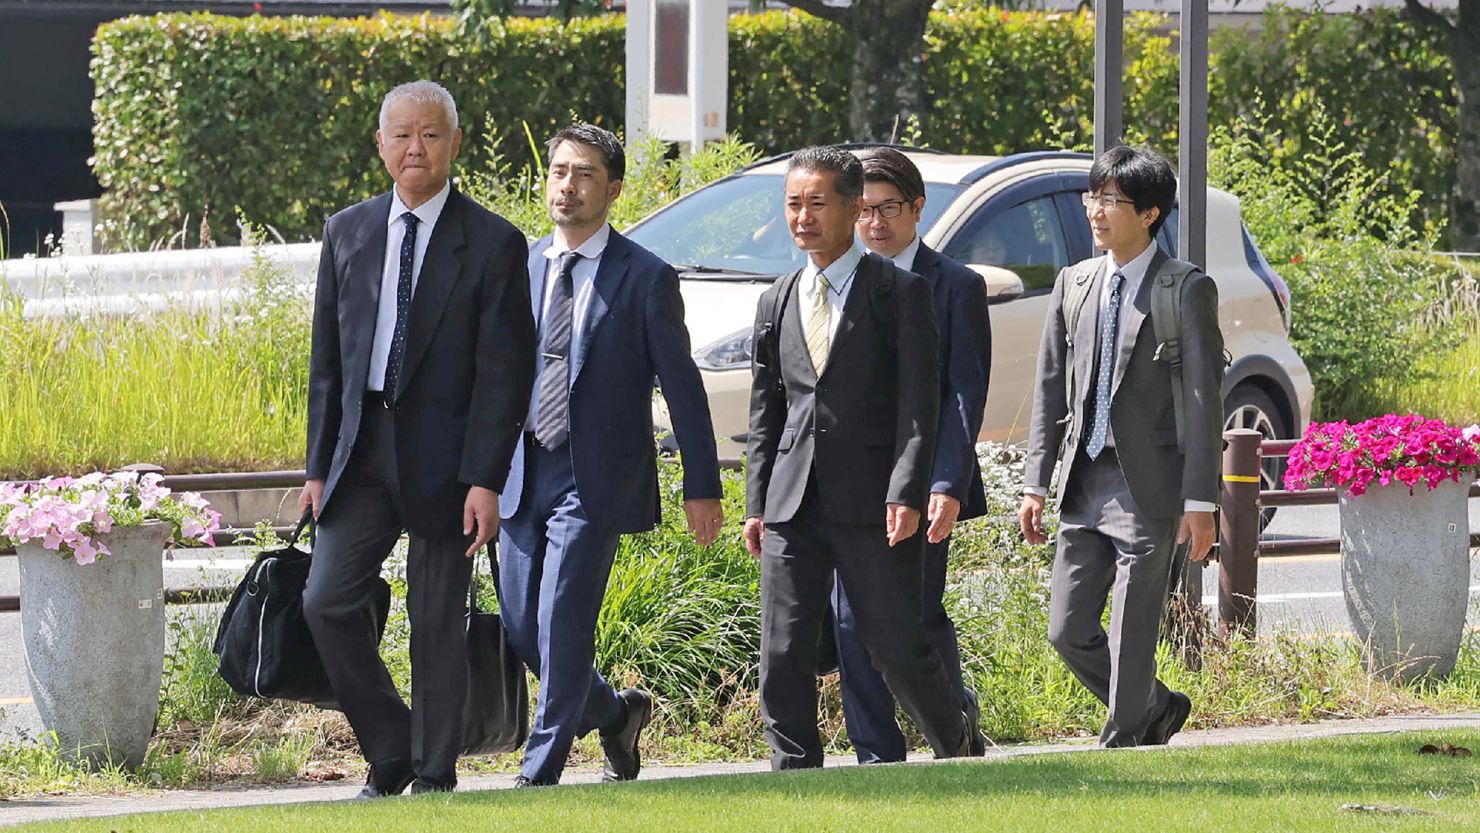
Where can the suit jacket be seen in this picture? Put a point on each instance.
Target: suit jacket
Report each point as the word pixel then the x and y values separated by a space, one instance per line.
pixel 1161 477
pixel 867 425
pixel 463 388
pixel 633 331
pixel 960 301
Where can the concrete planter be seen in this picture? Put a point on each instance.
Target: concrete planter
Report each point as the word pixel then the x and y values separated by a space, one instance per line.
pixel 94 638
pixel 1405 575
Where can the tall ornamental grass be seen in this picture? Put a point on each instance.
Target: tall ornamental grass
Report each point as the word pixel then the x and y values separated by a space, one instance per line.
pixel 185 389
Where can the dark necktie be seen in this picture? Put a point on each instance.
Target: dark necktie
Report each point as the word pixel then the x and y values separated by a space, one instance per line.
pixel 552 418
pixel 1109 322
pixel 403 306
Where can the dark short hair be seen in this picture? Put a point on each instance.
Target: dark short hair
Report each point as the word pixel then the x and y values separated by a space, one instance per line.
pixel 1143 176
pixel 848 181
pixel 890 167
pixel 597 137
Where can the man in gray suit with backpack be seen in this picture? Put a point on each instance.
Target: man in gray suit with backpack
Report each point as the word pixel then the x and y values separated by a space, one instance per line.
pixel 1129 396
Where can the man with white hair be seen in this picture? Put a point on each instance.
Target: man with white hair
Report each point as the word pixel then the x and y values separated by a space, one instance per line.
pixel 419 379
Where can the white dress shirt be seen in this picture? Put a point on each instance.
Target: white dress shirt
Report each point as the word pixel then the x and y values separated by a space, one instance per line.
pixel 1134 273
pixel 582 287
pixel 839 279
pixel 906 258
pixel 385 316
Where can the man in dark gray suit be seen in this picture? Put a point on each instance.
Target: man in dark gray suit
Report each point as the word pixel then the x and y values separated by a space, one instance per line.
pixel 894 196
pixel 843 415
pixel 1137 478
pixel 419 377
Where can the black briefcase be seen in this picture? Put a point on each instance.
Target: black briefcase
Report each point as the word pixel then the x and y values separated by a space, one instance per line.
pixel 263 642
pixel 496 714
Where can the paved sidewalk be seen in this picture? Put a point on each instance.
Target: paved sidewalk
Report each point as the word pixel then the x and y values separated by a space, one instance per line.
pixel 17 812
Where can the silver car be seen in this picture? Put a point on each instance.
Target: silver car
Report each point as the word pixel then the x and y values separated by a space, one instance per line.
pixel 1015 220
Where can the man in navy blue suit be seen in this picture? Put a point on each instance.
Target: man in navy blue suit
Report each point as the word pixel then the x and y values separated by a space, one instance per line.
pixel 610 320
pixel 893 197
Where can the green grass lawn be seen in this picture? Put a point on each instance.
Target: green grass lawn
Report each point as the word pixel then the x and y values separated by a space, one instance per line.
pixel 1267 787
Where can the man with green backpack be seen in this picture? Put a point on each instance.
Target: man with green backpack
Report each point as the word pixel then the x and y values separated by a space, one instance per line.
pixel 1129 403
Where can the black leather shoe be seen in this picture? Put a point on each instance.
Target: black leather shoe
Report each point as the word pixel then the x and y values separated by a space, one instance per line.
pixel 426 785
pixel 1178 707
pixel 387 779
pixel 524 781
pixel 623 758
pixel 976 742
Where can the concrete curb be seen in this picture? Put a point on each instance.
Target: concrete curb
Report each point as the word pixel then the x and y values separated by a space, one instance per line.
pixel 50 809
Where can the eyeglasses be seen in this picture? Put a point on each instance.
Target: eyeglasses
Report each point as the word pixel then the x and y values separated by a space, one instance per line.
pixel 1109 202
pixel 889 209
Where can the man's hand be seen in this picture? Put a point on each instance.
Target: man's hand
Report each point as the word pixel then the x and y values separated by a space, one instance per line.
pixel 900 522
pixel 942 512
pixel 755 533
pixel 1030 519
pixel 312 496
pixel 1197 526
pixel 480 514
pixel 705 519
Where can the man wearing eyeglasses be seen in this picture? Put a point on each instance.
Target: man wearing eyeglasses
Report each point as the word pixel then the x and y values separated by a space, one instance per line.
pixel 893 197
pixel 1136 478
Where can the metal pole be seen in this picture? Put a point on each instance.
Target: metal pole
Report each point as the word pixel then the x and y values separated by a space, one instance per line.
pixel 1109 74
pixel 1192 142
pixel 1238 533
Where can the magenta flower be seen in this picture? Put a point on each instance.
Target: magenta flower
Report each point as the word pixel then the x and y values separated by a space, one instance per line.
pixel 1405 448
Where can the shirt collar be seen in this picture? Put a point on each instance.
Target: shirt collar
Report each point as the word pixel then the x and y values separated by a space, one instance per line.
pixel 427 213
pixel 591 249
pixel 1136 269
pixel 839 272
pixel 906 259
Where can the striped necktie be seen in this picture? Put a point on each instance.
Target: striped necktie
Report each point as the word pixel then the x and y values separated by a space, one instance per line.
pixel 818 324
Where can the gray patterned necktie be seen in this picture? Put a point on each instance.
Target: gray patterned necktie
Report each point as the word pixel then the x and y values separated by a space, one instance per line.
pixel 1109 323
pixel 552 418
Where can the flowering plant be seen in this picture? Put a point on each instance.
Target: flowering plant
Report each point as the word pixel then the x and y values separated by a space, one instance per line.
pixel 1409 449
pixel 67 514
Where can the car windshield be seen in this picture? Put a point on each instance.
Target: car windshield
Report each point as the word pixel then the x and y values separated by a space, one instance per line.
pixel 737 225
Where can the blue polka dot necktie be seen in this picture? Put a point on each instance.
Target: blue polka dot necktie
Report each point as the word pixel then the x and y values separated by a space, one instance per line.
pixel 1109 323
pixel 403 306
pixel 552 417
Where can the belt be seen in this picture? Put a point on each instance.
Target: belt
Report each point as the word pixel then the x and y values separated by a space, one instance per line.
pixel 376 398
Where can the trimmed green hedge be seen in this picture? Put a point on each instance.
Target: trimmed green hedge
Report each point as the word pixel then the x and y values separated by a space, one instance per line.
pixel 202 115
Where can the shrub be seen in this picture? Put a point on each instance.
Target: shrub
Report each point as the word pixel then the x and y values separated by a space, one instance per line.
pixel 1375 81
pixel 1361 284
pixel 198 115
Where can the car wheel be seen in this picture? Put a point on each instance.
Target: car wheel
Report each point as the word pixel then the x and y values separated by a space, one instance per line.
pixel 1249 407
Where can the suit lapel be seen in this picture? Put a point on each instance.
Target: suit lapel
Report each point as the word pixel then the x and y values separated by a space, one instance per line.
pixel 864 281
pixel 609 276
pixel 1134 318
pixel 792 329
pixel 440 270
pixel 365 268
pixel 538 265
pixel 927 266
pixel 1088 336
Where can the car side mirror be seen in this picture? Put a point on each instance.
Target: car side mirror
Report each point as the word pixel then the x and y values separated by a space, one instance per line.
pixel 1002 284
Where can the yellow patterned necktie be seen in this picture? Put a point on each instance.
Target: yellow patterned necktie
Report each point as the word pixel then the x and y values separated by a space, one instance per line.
pixel 817 324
